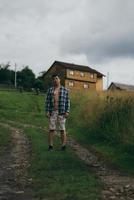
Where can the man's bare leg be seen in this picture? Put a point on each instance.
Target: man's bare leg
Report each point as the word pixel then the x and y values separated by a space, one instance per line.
pixel 63 137
pixel 51 137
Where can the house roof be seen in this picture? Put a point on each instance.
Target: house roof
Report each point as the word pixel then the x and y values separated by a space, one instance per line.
pixel 122 86
pixel 77 67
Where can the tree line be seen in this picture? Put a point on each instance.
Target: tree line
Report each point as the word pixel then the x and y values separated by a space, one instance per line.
pixel 25 78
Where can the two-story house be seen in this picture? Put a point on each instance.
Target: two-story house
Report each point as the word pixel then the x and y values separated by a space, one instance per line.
pixel 75 77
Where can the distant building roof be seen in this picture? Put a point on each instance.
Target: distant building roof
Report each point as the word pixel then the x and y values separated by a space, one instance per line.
pixel 77 67
pixel 122 86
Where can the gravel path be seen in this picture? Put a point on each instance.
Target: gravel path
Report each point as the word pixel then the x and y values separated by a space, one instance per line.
pixel 14 184
pixel 117 186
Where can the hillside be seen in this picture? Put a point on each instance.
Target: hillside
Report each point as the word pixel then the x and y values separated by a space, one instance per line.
pixel 33 172
pixel 100 129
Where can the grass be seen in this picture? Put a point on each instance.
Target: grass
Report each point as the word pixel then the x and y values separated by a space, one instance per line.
pixel 102 122
pixel 106 123
pixel 5 138
pixel 22 107
pixel 60 175
pixel 55 175
pixel 118 156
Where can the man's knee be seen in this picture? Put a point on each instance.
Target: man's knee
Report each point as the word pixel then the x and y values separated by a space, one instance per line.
pixel 51 132
pixel 62 131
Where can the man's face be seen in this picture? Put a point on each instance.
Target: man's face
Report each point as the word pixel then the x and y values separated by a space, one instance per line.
pixel 56 80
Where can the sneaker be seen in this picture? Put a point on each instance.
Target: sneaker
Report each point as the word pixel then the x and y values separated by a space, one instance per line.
pixel 63 148
pixel 50 148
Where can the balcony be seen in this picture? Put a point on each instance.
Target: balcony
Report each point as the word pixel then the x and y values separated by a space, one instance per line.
pixel 81 76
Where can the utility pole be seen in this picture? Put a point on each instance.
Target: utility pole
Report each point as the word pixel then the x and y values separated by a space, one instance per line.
pixel 107 79
pixel 15 77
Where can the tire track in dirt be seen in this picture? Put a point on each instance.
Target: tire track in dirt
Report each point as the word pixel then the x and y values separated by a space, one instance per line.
pixel 14 184
pixel 117 186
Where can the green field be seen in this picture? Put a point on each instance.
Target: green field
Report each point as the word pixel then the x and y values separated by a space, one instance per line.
pixel 104 122
pixel 55 175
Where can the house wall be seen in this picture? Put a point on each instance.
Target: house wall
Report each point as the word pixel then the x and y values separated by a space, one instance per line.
pixel 80 79
pixel 99 84
pixel 79 85
pixel 112 88
pixel 80 75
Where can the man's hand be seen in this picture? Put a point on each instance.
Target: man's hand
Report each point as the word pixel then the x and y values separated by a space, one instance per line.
pixel 66 114
pixel 48 115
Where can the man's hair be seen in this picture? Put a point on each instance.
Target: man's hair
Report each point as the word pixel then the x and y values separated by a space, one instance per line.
pixel 54 75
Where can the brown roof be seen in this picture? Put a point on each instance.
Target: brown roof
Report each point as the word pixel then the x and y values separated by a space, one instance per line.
pixel 77 67
pixel 121 86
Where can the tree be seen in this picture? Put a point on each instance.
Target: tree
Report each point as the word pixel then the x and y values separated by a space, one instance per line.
pixel 6 75
pixel 39 84
pixel 26 78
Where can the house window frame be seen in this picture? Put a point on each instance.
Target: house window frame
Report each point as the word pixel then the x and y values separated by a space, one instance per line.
pixel 71 72
pixel 86 86
pixel 82 74
pixel 71 83
pixel 92 75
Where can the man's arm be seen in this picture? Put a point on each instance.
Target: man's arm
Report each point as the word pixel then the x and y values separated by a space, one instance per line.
pixel 67 104
pixel 47 104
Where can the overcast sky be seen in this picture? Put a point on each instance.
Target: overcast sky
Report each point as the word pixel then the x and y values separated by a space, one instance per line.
pixel 97 33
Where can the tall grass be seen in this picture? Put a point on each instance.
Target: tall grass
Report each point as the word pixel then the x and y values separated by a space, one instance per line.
pixel 105 118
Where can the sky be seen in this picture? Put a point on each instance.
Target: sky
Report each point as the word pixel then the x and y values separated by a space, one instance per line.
pixel 95 33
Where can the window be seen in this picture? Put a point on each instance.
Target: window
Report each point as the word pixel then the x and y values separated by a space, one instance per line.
pixel 71 72
pixel 71 83
pixel 82 74
pixel 86 85
pixel 92 75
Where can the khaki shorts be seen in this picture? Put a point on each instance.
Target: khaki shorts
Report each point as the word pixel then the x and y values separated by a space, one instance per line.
pixel 57 120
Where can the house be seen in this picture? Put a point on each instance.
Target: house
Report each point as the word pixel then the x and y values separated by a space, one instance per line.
pixel 75 77
pixel 121 87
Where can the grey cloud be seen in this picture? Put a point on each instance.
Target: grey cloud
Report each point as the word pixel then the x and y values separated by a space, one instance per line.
pixel 18 8
pixel 104 31
pixel 98 33
pixel 33 8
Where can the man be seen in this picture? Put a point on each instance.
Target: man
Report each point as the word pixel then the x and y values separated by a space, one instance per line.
pixel 57 110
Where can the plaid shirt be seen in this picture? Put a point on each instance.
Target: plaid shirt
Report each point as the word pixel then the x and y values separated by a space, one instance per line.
pixel 64 101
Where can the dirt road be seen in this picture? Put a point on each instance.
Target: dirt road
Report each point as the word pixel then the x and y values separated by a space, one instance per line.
pixel 14 184
pixel 117 185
